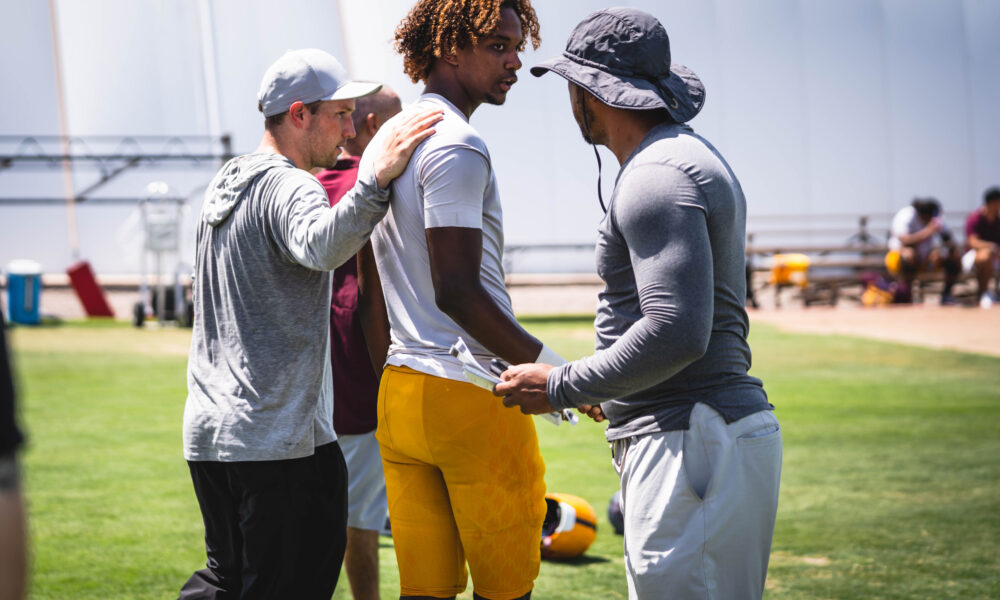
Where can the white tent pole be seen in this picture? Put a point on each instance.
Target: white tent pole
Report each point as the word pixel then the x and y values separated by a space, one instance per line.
pixel 344 40
pixel 209 70
pixel 68 187
pixel 890 204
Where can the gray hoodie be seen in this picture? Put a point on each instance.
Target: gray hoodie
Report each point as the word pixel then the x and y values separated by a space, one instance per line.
pixel 259 383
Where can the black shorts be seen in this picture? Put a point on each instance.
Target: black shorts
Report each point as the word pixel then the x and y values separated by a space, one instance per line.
pixel 273 529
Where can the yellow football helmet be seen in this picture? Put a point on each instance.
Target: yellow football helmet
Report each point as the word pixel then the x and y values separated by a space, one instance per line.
pixel 569 528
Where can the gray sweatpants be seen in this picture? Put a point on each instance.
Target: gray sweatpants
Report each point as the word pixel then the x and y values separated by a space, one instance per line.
pixel 700 507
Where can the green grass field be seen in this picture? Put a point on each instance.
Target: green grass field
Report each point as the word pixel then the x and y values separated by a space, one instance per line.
pixel 890 488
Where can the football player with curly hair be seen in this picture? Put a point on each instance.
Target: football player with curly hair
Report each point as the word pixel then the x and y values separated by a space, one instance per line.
pixel 435 29
pixel 464 477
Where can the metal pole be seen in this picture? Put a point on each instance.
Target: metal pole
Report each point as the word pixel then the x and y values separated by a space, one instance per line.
pixel 144 294
pixel 74 240
pixel 345 41
pixel 161 296
pixel 208 67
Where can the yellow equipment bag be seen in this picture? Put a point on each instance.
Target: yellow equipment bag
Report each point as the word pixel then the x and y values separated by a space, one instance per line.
pixel 789 269
pixel 892 262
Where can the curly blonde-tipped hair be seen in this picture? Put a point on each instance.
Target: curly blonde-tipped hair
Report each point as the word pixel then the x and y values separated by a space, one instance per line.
pixel 438 27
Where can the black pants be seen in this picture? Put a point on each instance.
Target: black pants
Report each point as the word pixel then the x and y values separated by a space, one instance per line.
pixel 273 529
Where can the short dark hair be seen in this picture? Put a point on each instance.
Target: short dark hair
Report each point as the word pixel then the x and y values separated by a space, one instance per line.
pixel 276 120
pixel 991 195
pixel 927 207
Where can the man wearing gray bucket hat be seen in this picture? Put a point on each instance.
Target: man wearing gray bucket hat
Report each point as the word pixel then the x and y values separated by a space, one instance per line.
pixel 694 439
pixel 268 474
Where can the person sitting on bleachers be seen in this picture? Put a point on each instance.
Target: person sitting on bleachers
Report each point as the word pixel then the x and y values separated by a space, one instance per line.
pixel 982 241
pixel 923 242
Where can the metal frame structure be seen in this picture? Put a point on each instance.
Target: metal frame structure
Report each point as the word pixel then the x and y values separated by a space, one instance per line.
pixel 109 155
pixel 161 215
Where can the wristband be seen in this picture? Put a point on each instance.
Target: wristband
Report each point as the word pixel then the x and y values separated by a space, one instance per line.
pixel 548 356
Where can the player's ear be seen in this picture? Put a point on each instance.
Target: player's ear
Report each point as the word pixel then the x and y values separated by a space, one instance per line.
pixel 372 124
pixel 297 114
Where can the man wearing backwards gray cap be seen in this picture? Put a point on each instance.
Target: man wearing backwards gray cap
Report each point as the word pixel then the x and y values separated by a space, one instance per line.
pixel 268 474
pixel 693 436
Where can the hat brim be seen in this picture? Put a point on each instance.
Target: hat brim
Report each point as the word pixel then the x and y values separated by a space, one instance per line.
pixel 682 94
pixel 354 89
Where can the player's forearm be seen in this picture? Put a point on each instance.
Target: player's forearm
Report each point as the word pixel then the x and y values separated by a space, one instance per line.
pixel 477 313
pixel 674 281
pixel 338 234
pixel 13 553
pixel 654 349
pixel 376 331
pixel 978 243
pixel 913 239
pixel 372 310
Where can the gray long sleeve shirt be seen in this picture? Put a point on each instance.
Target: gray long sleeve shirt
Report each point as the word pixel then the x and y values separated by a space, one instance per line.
pixel 671 325
pixel 259 381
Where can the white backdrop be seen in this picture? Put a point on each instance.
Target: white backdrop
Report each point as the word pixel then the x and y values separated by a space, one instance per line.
pixel 822 108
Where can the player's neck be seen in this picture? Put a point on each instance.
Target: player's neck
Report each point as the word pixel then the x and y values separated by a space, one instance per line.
pixel 442 84
pixel 273 144
pixel 624 135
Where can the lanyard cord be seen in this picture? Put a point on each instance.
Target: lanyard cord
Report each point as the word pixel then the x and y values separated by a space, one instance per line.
pixel 586 125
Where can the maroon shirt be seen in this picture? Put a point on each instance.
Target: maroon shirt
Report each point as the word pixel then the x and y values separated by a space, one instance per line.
pixel 355 386
pixel 988 231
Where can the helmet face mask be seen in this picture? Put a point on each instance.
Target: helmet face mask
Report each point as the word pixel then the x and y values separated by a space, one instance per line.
pixel 569 528
pixel 559 517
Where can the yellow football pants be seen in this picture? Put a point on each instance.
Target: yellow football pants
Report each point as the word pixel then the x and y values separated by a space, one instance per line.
pixel 465 483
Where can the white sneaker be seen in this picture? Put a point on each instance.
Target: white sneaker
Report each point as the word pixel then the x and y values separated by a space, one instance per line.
pixel 987 300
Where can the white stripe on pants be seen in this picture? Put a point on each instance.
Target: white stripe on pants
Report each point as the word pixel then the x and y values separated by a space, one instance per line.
pixel 700 507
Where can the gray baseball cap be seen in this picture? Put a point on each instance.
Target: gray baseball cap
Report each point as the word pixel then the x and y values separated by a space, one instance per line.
pixel 308 75
pixel 622 56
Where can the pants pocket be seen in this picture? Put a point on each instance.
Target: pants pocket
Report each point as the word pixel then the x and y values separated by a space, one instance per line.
pixel 766 430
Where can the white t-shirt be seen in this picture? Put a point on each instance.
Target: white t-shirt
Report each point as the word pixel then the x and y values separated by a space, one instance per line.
pixel 449 182
pixel 907 222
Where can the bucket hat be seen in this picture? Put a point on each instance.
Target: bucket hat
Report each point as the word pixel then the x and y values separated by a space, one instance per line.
pixel 308 75
pixel 622 56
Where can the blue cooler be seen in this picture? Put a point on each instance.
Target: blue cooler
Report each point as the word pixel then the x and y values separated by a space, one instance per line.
pixel 24 286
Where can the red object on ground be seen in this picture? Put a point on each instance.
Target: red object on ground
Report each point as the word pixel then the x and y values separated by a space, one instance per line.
pixel 81 276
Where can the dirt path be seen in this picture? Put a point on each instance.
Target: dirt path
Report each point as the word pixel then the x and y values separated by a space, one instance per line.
pixel 967 329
